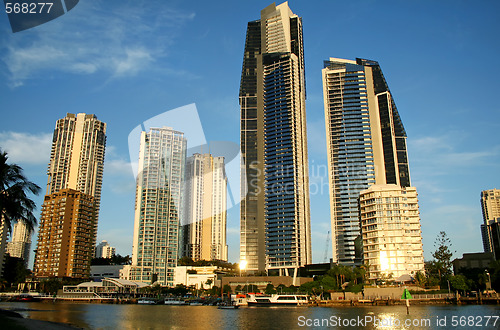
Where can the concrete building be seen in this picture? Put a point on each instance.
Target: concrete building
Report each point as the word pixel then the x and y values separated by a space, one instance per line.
pixel 104 250
pixel 390 231
pixel 65 235
pixel 274 213
pixel 74 180
pixel 480 261
pixel 205 198
pixel 4 235
pixel 199 277
pixel 490 229
pixel 158 206
pixel 20 244
pixel 99 272
pixel 366 144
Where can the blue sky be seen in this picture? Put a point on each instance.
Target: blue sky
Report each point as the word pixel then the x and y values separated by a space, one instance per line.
pixel 128 61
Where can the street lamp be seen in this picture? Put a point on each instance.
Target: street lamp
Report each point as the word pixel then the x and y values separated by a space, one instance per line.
pixel 488 286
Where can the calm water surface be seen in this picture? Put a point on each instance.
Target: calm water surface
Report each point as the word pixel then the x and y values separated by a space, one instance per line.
pixel 104 316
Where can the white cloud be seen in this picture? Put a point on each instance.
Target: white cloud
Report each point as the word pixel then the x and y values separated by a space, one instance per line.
pixel 25 148
pixel 118 45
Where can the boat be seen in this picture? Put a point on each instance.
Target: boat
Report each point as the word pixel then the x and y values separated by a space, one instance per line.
pixel 228 306
pixel 195 303
pixel 174 301
pixel 291 299
pixel 146 301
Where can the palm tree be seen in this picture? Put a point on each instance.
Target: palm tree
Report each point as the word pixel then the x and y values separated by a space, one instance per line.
pixel 15 205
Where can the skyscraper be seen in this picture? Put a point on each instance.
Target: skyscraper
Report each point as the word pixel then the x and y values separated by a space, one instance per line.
pixel 205 197
pixel 158 203
pixel 366 145
pixel 390 228
pixel 73 197
pixel 274 214
pixel 20 244
pixel 490 229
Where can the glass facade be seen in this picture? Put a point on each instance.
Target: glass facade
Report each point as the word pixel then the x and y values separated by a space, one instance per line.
pixel 366 145
pixel 157 211
pixel 275 223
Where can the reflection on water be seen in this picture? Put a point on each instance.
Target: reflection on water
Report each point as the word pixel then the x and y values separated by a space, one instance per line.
pixel 97 316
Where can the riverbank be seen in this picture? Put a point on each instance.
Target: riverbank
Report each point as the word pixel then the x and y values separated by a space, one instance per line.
pixel 14 320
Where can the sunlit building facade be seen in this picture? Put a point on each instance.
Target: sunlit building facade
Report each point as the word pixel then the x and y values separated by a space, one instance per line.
pixel 490 229
pixel 65 235
pixel 366 145
pixel 274 212
pixel 204 218
pixel 390 231
pixel 158 206
pixel 20 244
pixel 74 173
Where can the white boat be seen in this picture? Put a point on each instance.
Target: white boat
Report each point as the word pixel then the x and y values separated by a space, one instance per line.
pixel 174 301
pixel 291 299
pixel 195 303
pixel 146 301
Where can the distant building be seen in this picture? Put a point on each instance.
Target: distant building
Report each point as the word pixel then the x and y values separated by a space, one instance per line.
pixel 490 229
pixel 104 250
pixel 20 244
pixel 205 198
pixel 158 206
pixel 4 235
pixel 199 277
pixel 99 272
pixel 390 231
pixel 68 225
pixel 479 261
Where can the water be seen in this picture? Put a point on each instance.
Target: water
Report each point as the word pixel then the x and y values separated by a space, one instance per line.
pixel 104 316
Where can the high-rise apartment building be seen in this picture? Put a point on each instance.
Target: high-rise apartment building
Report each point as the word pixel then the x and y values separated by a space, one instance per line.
pixel 20 244
pixel 274 213
pixel 66 235
pixel 158 206
pixel 490 229
pixel 390 231
pixel 4 235
pixel 74 173
pixel 104 250
pixel 366 145
pixel 205 197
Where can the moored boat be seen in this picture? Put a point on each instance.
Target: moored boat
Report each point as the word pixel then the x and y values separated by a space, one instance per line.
pixel 277 299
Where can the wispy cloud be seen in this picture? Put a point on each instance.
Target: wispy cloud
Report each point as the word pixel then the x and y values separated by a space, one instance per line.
pixel 26 148
pixel 118 45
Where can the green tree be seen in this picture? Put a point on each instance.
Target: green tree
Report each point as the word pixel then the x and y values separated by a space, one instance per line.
pixel 458 282
pixel 442 255
pixel 420 279
pixel 14 270
pixel 15 205
pixel 270 289
pixel 226 288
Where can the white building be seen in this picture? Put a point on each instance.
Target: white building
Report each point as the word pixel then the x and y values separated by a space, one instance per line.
pixel 390 231
pixel 158 206
pixel 104 250
pixel 204 225
pixel 200 277
pixel 20 244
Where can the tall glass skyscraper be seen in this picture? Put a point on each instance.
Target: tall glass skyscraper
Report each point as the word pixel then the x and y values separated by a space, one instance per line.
pixel 366 145
pixel 275 219
pixel 158 206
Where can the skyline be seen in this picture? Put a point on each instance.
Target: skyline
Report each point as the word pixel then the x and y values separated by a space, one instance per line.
pixel 145 64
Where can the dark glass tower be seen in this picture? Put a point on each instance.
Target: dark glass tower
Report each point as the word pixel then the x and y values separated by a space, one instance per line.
pixel 366 144
pixel 275 221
